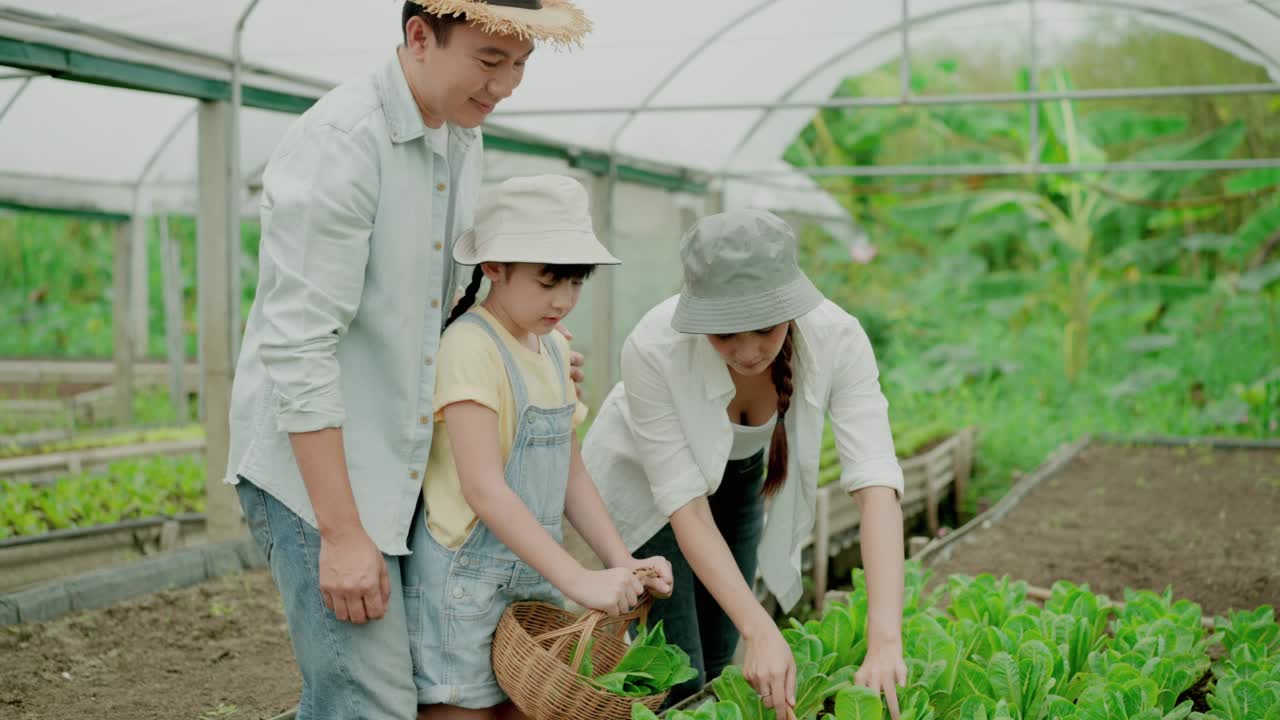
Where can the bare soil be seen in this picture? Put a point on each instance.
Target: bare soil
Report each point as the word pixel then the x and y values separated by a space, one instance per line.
pixel 1203 521
pixel 216 651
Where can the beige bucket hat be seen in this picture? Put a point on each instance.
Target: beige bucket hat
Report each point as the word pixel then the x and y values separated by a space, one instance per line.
pixel 559 22
pixel 537 219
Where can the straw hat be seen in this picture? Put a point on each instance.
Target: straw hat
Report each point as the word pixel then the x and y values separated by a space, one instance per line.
pixel 537 219
pixel 556 21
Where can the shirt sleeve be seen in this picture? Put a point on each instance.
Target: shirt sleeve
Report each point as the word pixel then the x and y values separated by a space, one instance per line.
pixel 320 194
pixel 860 415
pixel 468 368
pixel 661 442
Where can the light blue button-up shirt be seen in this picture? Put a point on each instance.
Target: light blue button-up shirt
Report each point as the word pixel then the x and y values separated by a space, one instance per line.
pixel 360 203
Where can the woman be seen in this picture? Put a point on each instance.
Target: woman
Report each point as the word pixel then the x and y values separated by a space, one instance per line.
pixel 749 356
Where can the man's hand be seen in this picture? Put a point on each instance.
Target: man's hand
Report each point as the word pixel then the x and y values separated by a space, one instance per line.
pixel 353 577
pixel 576 362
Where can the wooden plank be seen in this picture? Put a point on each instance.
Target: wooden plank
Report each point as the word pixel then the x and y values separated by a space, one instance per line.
pixel 75 460
pixel 963 451
pixel 122 342
pixel 931 502
pixel 174 338
pixel 139 287
pixel 821 546
pixel 48 371
pixel 602 295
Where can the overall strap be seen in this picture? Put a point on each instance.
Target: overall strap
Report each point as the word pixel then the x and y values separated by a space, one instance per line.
pixel 513 370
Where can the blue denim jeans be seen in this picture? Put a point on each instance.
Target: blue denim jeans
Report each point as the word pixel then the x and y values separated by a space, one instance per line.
pixel 691 618
pixel 349 672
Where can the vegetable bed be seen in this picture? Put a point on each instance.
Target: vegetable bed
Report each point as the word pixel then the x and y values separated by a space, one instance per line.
pixel 979 648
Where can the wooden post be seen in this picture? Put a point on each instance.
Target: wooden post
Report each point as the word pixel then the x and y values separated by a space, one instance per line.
pixel 931 494
pixel 139 285
pixel 821 546
pixel 916 544
pixel 122 330
pixel 601 359
pixel 213 237
pixel 964 469
pixel 175 340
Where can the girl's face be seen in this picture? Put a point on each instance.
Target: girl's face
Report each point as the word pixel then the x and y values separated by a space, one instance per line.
pixel 750 353
pixel 531 298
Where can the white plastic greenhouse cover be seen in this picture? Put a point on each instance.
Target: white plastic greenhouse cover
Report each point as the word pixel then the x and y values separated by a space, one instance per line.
pixel 70 144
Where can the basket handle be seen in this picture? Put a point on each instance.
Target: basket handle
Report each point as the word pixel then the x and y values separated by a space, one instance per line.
pixel 585 626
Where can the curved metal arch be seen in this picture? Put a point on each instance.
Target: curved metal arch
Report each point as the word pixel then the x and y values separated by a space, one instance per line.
pixel 1268 10
pixel 13 99
pixel 684 62
pixel 164 145
pixel 979 5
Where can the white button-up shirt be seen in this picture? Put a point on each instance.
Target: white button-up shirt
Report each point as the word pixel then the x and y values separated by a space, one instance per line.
pixel 360 204
pixel 662 437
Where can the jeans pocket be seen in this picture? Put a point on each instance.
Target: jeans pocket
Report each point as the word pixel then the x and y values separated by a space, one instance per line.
pixel 471 597
pixel 253 501
pixel 413 611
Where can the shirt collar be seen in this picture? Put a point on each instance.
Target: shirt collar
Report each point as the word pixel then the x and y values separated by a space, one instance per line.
pixel 404 121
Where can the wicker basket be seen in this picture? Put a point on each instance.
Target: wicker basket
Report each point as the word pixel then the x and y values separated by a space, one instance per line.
pixel 531 659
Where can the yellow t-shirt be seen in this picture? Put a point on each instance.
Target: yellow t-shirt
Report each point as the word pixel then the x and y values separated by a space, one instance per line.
pixel 470 367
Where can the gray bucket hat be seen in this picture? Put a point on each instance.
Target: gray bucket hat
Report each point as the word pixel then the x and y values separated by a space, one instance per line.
pixel 741 274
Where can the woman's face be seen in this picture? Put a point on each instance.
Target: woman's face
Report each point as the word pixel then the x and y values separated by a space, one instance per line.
pixel 750 353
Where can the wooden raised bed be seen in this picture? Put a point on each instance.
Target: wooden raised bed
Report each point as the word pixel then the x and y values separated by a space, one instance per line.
pixel 928 478
pixel 46 466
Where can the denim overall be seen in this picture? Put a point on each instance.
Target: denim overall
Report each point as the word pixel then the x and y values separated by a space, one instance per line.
pixel 454 599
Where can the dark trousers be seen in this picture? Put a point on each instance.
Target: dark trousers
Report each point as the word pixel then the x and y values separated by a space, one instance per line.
pixel 691 617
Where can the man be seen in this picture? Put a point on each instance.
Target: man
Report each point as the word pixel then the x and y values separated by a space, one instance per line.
pixel 332 403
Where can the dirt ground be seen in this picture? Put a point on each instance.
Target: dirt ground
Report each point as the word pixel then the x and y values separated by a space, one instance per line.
pixel 1206 522
pixel 217 651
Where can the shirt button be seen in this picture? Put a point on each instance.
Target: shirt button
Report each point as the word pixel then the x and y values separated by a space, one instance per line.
pixel 435 303
pixel 413 474
pixel 457 592
pixel 441 187
pixel 439 246
pixel 463 561
pixel 427 360
pixel 424 420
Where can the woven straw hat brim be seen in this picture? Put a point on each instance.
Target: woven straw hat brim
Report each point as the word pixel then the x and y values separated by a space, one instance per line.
pixel 558 22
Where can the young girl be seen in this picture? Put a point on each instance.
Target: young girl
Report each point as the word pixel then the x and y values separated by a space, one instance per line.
pixel 504 465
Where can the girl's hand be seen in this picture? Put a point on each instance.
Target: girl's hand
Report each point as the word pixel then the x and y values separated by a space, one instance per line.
pixel 771 669
pixel 662 582
pixel 614 591
pixel 884 671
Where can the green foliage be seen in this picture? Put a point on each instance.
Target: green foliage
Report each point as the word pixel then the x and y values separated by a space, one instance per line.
pixel 651 666
pixel 978 648
pixel 127 490
pixel 55 283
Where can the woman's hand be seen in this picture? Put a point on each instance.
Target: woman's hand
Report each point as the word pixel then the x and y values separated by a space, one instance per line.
pixel 661 582
pixel 614 591
pixel 884 671
pixel 771 669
